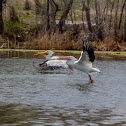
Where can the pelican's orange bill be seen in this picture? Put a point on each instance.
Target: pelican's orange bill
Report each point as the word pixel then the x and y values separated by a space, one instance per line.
pixel 64 58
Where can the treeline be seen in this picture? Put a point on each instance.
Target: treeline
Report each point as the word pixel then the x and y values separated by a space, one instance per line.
pixel 98 20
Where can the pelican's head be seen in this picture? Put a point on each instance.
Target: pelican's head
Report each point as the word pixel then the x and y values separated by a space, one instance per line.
pixel 47 54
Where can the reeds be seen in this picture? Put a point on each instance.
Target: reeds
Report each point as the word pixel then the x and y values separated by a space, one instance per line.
pixel 65 41
pixel 52 41
pixel 109 45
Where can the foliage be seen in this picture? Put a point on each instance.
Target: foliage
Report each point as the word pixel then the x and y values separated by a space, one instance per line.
pixel 107 24
pixel 14 28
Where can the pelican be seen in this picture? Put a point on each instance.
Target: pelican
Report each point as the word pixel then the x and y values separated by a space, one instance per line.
pixel 84 63
pixel 52 62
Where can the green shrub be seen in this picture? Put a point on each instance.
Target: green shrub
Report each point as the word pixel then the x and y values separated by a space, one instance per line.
pixel 14 27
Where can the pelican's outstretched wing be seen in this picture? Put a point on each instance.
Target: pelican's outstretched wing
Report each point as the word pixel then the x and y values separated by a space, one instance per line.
pixel 88 47
pixel 87 54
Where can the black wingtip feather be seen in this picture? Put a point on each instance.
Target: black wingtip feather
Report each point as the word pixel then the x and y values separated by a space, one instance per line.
pixel 87 46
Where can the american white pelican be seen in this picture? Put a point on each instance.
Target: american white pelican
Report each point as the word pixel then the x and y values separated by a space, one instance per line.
pixel 84 63
pixel 52 62
pixel 47 55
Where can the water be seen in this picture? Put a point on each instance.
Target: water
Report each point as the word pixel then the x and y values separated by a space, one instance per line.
pixel 29 97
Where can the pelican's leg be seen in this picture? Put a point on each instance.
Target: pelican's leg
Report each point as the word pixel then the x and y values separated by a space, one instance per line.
pixel 71 68
pixel 91 79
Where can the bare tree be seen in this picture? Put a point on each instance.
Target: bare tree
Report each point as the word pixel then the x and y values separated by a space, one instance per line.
pixel 97 15
pixel 47 16
pixel 64 15
pixel 1 18
pixel 98 28
pixel 125 26
pixel 116 19
pixel 100 19
pixel 87 9
pixel 123 7
pixel 54 9
pixel 110 18
pixel 83 16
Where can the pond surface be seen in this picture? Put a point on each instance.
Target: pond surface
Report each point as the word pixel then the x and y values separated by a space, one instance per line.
pixel 29 97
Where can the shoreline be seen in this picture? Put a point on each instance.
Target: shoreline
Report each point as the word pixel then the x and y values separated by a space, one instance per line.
pixel 69 51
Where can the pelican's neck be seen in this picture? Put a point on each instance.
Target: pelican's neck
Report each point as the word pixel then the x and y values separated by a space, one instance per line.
pixel 50 53
pixel 80 56
pixel 48 57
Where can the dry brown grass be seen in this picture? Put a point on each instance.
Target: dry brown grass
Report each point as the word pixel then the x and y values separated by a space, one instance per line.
pixel 57 41
pixel 109 45
pixel 64 41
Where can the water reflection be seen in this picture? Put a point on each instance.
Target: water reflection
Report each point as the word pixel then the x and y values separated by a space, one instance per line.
pixel 30 54
pixel 84 87
pixel 52 115
pixel 31 97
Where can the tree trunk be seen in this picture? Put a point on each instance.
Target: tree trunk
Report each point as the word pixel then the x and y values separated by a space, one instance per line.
pixel 47 16
pixel 101 23
pixel 110 19
pixel 123 7
pixel 83 17
pixel 64 16
pixel 125 26
pixel 97 16
pixel 116 19
pixel 103 14
pixel 87 9
pixel 53 12
pixel 1 18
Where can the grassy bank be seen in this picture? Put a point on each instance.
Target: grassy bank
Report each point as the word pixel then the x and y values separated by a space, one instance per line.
pixel 68 51
pixel 65 41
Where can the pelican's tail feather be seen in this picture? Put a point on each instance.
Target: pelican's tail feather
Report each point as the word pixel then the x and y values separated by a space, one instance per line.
pixel 95 70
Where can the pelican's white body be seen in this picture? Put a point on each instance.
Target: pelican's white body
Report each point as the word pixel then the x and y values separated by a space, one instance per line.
pixel 83 64
pixel 52 61
pixel 58 63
